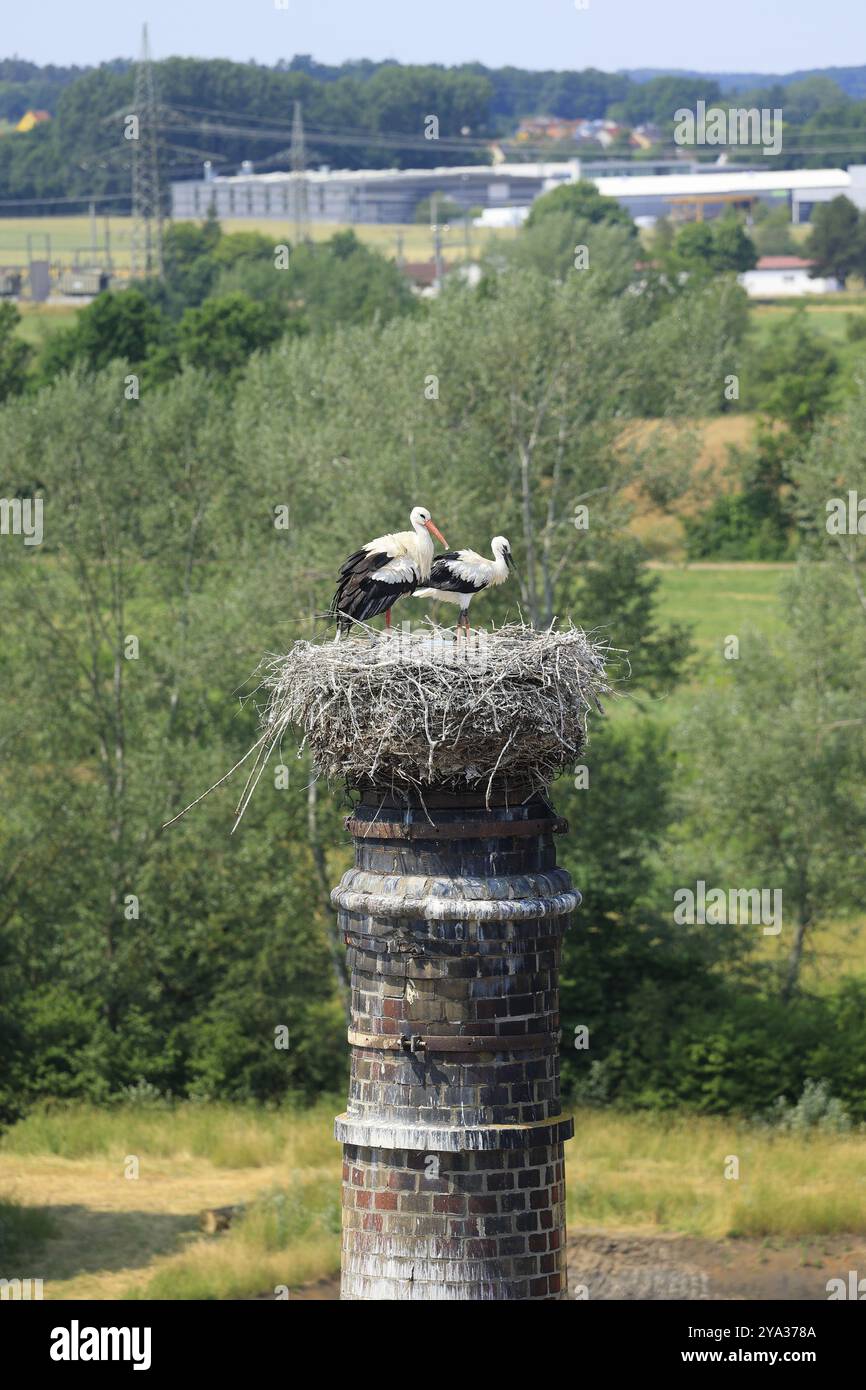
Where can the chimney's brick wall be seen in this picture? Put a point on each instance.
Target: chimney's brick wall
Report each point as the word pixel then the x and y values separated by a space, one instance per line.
pixel 453 1181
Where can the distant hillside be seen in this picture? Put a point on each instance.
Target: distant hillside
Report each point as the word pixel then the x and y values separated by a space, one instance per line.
pixel 851 80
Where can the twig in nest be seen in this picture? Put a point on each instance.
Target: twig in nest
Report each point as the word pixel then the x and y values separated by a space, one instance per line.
pixel 409 710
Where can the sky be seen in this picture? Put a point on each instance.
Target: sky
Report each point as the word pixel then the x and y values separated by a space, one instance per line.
pixel 773 36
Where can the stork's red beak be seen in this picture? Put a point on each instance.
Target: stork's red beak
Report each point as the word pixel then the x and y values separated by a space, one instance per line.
pixel 434 530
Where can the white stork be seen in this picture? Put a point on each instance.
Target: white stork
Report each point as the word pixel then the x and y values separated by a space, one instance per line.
pixel 458 575
pixel 374 577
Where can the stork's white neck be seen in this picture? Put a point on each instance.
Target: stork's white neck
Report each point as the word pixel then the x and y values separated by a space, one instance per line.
pixel 425 548
pixel 500 567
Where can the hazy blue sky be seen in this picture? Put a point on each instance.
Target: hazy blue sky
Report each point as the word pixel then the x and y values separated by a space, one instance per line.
pixel 734 35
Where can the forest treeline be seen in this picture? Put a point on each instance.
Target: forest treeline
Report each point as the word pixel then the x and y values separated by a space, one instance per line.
pixel 364 115
pixel 130 637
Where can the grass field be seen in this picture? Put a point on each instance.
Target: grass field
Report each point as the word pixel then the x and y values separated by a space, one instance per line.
pixel 65 236
pixel 719 599
pixel 101 1233
pixel 69 235
pixel 831 319
pixel 39 321
pixel 91 1232
pixel 714 601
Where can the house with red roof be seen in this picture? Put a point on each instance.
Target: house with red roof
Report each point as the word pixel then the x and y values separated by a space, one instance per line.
pixel 776 276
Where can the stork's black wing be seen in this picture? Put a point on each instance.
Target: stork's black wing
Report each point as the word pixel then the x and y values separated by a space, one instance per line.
pixel 359 596
pixel 442 576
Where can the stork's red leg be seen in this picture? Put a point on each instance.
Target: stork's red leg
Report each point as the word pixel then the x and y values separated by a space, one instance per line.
pixel 387 617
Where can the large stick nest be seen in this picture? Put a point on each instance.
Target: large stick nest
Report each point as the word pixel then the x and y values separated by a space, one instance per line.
pixel 412 709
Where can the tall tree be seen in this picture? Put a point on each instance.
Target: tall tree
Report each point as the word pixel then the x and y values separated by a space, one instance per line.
pixel 836 242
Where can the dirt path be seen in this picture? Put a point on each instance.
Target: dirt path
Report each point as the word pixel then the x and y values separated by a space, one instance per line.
pixel 612 1266
pixel 606 1266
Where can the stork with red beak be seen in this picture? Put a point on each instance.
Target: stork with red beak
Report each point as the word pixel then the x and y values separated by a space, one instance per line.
pixel 380 572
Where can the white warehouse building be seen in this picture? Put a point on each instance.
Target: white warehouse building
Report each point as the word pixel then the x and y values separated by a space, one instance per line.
pixel 392 195
pixel 365 195
pixel 723 186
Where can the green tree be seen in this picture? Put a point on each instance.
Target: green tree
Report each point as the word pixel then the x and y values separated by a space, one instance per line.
pixel 713 247
pixel 836 243
pixel 244 246
pixel 116 326
pixel 788 721
pixel 572 94
pixel 810 95
pixel 693 247
pixel 223 333
pixel 15 354
pixel 583 202
pixel 771 232
pixel 140 600
pixel 191 262
pixel 338 282
pixel 558 243
pixel 661 97
pixel 446 210
pixel 536 378
pixel 792 374
pixel 186 242
pixel 755 521
pixel 827 475
pixel 733 248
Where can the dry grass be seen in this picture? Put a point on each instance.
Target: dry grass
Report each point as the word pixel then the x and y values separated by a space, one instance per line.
pixel 289 1236
pixel 95 1234
pixel 662 532
pixel 111 1235
pixel 664 1173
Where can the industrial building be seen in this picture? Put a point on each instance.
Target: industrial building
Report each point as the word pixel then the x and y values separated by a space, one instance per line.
pixel 365 195
pixel 696 195
pixel 348 196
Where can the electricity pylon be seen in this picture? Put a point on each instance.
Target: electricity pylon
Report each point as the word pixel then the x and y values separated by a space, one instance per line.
pixel 146 201
pixel 299 177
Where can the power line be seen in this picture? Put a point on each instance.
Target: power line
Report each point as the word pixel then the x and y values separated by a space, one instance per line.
pixel 82 198
pixel 146 201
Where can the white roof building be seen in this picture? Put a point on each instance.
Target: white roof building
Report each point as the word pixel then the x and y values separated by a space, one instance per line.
pixel 657 194
pixel 393 195
pixel 774 277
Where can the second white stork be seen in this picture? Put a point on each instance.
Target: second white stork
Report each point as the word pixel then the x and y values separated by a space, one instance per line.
pixel 377 575
pixel 458 575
